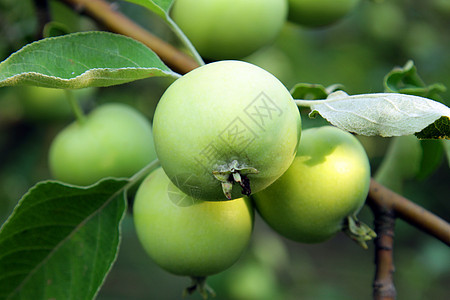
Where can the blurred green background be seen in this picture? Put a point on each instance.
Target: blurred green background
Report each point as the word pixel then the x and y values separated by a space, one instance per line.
pixel 356 52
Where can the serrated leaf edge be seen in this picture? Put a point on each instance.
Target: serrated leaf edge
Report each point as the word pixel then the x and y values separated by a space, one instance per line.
pixel 84 75
pixel 107 202
pixel 24 49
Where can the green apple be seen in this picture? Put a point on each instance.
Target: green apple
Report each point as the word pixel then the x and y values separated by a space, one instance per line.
pixel 229 29
pixel 316 13
pixel 226 123
pixel 113 140
pixel 187 236
pixel 327 182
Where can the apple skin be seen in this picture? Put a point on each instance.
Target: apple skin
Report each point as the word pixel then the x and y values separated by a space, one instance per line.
pixel 114 140
pixel 229 29
pixel 223 112
pixel 328 181
pixel 187 236
pixel 318 13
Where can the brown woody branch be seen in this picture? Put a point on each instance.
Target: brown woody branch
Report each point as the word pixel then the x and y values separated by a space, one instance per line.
pixel 387 206
pixel 383 283
pixel 384 198
pixel 103 12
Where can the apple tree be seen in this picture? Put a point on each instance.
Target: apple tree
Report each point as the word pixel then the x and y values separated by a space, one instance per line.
pixel 244 145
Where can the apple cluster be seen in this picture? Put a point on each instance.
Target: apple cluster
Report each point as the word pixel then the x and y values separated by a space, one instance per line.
pixel 230 130
pixel 229 140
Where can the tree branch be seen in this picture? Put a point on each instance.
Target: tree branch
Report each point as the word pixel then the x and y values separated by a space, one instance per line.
pixel 384 198
pixel 103 13
pixel 387 206
pixel 383 284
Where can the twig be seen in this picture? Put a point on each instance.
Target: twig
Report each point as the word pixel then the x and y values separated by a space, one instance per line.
pixel 102 12
pixel 387 206
pixel 412 213
pixel 75 105
pixel 383 284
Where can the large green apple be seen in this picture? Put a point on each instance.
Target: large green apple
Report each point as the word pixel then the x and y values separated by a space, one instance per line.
pixel 188 236
pixel 225 123
pixel 327 182
pixel 114 140
pixel 316 13
pixel 229 29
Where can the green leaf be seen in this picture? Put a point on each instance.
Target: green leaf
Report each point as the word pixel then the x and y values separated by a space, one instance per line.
pixel 312 91
pixel 384 114
pixel 402 161
pixel 446 144
pixel 433 151
pixel 61 241
pixel 160 7
pixel 439 129
pixel 82 60
pixel 406 81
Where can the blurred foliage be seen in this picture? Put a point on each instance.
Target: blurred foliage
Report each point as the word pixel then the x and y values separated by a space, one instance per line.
pixel 357 52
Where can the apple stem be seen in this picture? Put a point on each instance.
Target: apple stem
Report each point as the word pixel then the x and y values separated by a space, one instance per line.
pixel 184 39
pixel 308 103
pixel 75 105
